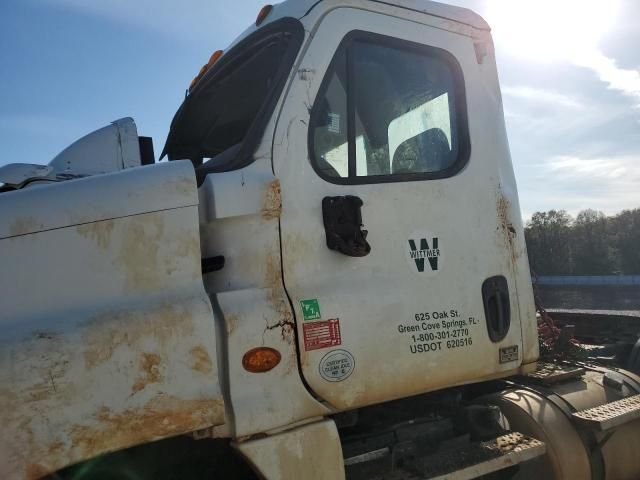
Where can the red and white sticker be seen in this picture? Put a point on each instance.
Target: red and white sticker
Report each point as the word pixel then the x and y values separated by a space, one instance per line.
pixel 322 334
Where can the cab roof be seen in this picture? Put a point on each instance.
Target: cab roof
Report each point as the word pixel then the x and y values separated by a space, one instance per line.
pixel 450 12
pixel 300 8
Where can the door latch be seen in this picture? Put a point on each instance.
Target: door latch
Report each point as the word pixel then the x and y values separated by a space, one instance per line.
pixel 497 308
pixel 343 226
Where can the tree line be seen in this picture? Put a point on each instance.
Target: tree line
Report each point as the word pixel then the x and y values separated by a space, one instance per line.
pixel 589 244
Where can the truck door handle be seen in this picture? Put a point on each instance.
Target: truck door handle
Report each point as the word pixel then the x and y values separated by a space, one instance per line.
pixel 343 226
pixel 497 307
pixel 501 313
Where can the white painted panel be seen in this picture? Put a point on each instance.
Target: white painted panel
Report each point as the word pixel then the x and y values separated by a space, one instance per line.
pixel 137 190
pixel 240 220
pixel 375 298
pixel 107 337
pixel 310 452
pixel 108 149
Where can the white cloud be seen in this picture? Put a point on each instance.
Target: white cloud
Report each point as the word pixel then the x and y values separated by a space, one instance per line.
pixel 548 31
pixel 545 119
pixel 542 96
pixel 589 167
pixel 625 81
pixel 620 79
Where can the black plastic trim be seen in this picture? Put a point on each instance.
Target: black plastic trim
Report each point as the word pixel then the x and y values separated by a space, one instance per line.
pixel 212 264
pixel 495 296
pixel 147 156
pixel 464 143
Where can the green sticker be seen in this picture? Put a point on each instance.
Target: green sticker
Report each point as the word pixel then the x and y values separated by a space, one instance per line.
pixel 310 309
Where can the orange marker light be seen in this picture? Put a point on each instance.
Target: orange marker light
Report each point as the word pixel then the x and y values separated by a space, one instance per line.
pixel 264 13
pixel 261 359
pixel 213 59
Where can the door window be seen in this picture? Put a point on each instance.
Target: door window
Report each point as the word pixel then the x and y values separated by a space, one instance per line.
pixel 389 110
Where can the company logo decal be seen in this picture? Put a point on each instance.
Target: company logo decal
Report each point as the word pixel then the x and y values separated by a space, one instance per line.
pixel 423 253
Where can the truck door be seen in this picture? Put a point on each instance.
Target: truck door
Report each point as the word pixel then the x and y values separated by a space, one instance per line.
pixel 384 126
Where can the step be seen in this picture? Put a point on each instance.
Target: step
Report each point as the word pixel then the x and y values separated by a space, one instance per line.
pixel 473 461
pixel 610 415
pixel 551 374
pixel 482 458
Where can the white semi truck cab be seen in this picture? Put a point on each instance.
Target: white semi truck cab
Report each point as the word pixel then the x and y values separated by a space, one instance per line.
pixel 328 279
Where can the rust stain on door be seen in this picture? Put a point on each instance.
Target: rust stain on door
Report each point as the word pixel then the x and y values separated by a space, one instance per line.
pixel 278 301
pixel 24 225
pixel 161 417
pixel 150 371
pixel 139 253
pixel 110 330
pixel 99 232
pixel 506 228
pixel 108 431
pixel 200 360
pixel 272 201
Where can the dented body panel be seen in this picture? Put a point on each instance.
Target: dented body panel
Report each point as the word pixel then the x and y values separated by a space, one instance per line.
pixel 107 337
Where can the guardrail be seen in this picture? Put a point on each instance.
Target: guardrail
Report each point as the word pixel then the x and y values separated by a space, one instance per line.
pixel 574 280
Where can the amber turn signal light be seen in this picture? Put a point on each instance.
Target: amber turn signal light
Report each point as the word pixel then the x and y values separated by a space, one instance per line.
pixel 213 59
pixel 264 13
pixel 261 359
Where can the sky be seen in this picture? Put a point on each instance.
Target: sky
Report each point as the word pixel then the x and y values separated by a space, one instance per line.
pixel 569 72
